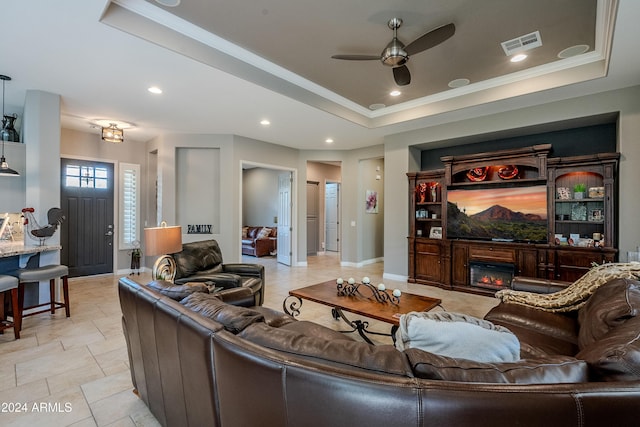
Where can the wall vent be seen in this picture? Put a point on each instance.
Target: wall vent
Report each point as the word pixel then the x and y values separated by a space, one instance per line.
pixel 522 43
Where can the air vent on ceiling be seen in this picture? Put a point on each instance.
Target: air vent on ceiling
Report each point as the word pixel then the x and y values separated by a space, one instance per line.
pixel 522 43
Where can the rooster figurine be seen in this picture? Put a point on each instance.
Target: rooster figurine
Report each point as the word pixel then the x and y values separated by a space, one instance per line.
pixel 55 217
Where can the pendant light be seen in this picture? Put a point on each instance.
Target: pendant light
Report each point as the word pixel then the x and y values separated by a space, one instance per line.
pixel 113 134
pixel 5 170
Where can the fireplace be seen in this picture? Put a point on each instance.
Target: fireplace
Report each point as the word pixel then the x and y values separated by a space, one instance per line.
pixel 491 275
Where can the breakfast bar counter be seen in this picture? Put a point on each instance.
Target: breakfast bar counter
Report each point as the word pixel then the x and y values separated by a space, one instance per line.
pixel 8 249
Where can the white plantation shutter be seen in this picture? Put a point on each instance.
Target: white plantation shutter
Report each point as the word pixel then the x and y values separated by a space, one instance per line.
pixel 129 204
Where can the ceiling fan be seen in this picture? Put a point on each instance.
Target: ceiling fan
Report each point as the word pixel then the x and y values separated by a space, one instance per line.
pixel 396 54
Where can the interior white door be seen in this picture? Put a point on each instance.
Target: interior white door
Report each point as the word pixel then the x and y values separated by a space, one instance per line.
pixel 332 216
pixel 284 218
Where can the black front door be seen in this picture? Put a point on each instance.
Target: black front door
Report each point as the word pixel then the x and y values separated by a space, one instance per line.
pixel 86 198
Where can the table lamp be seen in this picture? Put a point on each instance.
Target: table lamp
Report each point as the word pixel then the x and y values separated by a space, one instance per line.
pixel 162 241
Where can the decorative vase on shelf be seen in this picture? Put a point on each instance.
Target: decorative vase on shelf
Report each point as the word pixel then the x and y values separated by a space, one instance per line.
pixel 9 132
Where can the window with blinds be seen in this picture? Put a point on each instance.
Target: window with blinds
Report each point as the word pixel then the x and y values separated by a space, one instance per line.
pixel 129 205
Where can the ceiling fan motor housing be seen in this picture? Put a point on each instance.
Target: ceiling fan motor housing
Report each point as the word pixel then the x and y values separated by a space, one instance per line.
pixel 394 54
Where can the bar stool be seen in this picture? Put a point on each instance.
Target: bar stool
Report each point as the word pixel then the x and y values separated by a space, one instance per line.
pixel 50 273
pixel 9 284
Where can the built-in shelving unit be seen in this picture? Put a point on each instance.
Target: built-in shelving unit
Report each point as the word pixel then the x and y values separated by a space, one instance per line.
pixel 581 230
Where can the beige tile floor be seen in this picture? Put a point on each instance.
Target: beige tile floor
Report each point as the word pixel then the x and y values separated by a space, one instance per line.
pixel 74 371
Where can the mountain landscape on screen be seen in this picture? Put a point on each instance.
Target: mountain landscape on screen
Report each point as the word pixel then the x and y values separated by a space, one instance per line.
pixel 517 215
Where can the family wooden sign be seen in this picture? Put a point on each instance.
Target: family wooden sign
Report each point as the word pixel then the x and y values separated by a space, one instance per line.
pixel 199 228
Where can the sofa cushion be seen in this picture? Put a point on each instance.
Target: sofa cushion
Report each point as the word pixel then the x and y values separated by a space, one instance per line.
pixel 177 292
pixel 263 233
pixel 202 257
pixel 312 329
pixel 610 306
pixel 233 318
pixel 457 335
pixel 541 333
pixel 349 353
pixel 616 355
pixel 551 370
pixel 273 317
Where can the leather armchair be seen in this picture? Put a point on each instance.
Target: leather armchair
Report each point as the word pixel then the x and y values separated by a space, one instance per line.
pixel 202 262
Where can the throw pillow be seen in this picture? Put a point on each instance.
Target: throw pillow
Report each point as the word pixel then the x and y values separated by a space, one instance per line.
pixel 548 370
pixel 264 233
pixel 610 306
pixel 245 230
pixel 233 318
pixel 458 336
pixel 177 292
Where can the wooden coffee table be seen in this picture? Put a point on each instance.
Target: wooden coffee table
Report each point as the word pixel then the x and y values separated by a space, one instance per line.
pixel 362 303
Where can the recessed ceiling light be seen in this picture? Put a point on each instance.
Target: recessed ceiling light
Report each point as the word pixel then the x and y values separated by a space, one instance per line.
pixel 376 106
pixel 395 93
pixel 329 141
pixel 458 83
pixel 169 3
pixel 573 51
pixel 155 89
pixel 519 57
pixel 265 122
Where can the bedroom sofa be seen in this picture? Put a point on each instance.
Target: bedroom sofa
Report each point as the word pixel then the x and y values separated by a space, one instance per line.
pixel 202 361
pixel 257 243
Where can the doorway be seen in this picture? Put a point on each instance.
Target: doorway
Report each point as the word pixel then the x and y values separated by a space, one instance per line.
pixel 86 197
pixel 285 181
pixel 332 216
pixel 312 218
pixel 268 199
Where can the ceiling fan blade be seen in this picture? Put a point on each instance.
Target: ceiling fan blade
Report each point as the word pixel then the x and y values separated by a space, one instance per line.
pixel 430 39
pixel 401 75
pixel 357 57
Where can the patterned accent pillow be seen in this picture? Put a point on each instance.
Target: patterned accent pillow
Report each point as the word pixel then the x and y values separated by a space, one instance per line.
pixel 264 233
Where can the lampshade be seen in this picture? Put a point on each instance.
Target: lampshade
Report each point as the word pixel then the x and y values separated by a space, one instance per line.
pixel 113 134
pixel 163 240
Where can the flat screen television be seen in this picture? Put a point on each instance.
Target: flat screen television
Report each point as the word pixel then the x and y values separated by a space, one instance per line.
pixel 516 214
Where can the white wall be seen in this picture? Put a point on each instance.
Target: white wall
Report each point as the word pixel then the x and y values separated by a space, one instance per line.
pixel 260 197
pixel 372 225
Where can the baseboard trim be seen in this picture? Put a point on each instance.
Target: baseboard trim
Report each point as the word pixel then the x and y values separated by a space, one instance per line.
pixel 361 263
pixel 396 277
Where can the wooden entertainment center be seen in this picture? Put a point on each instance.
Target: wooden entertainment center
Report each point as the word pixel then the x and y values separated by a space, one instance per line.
pixel 580 229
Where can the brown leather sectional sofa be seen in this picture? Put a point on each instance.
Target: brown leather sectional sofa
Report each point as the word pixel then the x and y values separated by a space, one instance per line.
pixel 204 361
